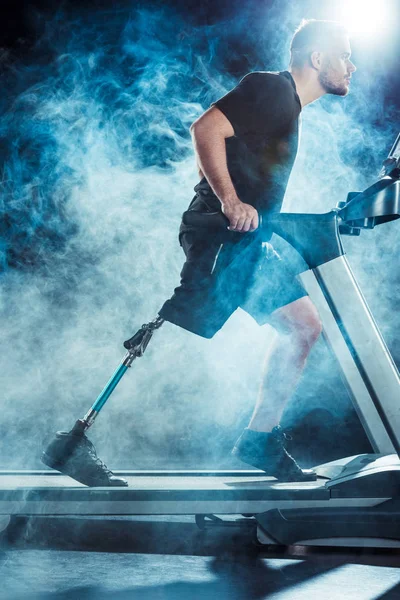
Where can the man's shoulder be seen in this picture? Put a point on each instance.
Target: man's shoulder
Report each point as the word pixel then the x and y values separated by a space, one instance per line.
pixel 276 88
pixel 272 79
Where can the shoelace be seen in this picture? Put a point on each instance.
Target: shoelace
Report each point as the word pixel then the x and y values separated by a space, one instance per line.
pixel 281 435
pixel 93 454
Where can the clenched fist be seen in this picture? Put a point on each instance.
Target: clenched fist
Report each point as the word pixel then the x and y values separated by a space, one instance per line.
pixel 242 217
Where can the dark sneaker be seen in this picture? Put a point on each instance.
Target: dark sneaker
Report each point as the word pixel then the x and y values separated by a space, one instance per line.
pixel 266 451
pixel 75 455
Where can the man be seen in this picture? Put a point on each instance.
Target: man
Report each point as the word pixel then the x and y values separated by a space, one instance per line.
pixel 246 144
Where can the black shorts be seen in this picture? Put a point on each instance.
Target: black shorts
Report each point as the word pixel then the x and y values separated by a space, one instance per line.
pixel 216 279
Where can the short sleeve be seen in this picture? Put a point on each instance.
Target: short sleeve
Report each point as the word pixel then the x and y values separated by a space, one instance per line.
pixel 260 104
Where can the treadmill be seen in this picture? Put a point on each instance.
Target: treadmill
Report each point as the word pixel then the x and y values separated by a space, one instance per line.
pixel 355 500
pixel 369 373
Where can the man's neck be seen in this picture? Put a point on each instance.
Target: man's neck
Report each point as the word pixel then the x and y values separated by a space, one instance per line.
pixel 307 88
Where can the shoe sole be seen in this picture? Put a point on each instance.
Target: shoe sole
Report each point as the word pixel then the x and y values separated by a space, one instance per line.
pixel 250 461
pixel 50 462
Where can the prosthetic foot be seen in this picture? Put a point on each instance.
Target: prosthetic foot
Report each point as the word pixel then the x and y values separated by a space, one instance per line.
pixel 73 454
pixel 266 451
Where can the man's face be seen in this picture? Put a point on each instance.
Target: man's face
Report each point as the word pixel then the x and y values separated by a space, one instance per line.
pixel 336 68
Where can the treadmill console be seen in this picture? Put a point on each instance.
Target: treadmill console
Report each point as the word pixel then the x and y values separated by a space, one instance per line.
pixel 379 203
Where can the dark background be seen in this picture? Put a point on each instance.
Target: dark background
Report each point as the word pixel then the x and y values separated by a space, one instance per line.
pixel 24 22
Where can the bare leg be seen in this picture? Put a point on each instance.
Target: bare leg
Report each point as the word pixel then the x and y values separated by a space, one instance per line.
pixel 298 328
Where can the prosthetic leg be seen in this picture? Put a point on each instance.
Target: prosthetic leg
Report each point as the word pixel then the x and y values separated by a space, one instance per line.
pixel 72 452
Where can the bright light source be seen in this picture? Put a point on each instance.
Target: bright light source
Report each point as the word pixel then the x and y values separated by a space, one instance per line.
pixel 364 17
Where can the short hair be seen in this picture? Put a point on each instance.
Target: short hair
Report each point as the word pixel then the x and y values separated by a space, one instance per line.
pixel 310 35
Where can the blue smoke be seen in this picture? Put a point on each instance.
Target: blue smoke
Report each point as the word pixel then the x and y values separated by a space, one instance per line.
pixel 97 168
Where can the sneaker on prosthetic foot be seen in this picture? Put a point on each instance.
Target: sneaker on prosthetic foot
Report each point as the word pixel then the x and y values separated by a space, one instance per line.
pixel 75 455
pixel 266 451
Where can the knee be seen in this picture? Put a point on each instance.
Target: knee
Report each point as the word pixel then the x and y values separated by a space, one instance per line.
pixel 307 329
pixel 300 321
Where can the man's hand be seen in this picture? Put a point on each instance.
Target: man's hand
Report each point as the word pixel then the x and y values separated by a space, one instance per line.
pixel 242 217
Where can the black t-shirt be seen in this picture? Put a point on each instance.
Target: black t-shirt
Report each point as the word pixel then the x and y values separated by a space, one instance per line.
pixel 264 111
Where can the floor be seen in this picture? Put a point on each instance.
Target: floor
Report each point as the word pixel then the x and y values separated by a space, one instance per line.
pixel 61 558
pixel 53 574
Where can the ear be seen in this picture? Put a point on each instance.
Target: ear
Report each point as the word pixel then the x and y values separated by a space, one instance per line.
pixel 316 60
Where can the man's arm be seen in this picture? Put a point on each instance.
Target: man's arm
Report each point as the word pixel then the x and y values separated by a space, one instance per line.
pixel 209 133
